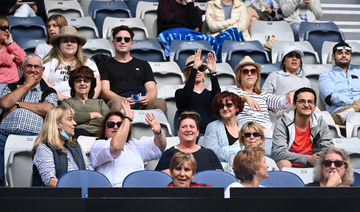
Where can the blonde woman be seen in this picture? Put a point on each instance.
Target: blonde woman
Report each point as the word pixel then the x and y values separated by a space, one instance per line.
pixel 55 153
pixel 66 55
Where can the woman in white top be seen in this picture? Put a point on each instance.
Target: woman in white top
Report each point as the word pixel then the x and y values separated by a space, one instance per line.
pixel 66 55
pixel 53 26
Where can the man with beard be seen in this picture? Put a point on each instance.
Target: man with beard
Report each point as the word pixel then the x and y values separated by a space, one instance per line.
pixel 340 87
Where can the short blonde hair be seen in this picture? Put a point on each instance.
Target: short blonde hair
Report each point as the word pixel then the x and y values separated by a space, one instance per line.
pixel 180 158
pixel 250 125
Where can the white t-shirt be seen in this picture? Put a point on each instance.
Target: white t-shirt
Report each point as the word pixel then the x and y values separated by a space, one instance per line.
pixel 232 185
pixel 42 49
pixel 59 77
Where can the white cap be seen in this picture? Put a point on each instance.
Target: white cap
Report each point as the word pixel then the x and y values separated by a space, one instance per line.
pixel 289 49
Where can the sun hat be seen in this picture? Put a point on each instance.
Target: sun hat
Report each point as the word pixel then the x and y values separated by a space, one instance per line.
pixel 247 61
pixel 68 31
pixel 190 62
pixel 290 49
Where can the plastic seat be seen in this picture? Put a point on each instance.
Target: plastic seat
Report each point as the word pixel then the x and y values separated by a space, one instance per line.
pixel 266 69
pixel 282 179
pixel 215 178
pixel 356 179
pixel 280 29
pixel 142 128
pixel 99 10
pixel 149 50
pixel 85 143
pixel 180 50
pixel 225 75
pixel 201 5
pixel 147 178
pixel 18 160
pixel 69 9
pixel 134 4
pixel 306 174
pixel 233 51
pixel 29 45
pixel 84 179
pixel 350 145
pixel 98 46
pixel 167 73
pixel 84 26
pixel 310 55
pixel 135 24
pixel 318 32
pixel 334 128
pixel 326 52
pixel 147 12
pixel 32 27
pixel 352 124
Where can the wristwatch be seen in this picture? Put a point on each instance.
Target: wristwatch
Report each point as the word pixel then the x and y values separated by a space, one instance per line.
pixel 158 133
pixel 17 105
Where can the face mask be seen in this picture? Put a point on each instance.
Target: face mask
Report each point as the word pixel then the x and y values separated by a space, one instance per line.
pixel 64 135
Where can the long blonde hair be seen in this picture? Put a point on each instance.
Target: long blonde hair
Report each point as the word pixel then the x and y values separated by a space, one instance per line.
pixel 49 133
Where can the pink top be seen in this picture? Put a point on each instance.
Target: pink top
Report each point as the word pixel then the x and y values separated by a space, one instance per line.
pixel 8 65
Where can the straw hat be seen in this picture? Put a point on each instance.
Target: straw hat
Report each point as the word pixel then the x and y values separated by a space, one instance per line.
pixel 247 61
pixel 290 49
pixel 68 31
pixel 190 62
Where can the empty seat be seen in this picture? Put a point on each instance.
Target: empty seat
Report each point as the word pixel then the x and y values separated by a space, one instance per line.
pixel 167 73
pixel 98 46
pixel 215 178
pixel 69 9
pixel 306 174
pixel 282 179
pixel 350 145
pixel 99 10
pixel 233 51
pixel 147 12
pixel 29 45
pixel 135 24
pixel 334 128
pixel 280 29
pixel 225 75
pixel 352 124
pixel 149 50
pixel 133 5
pixel 310 55
pixel 84 26
pixel 28 27
pixel 146 178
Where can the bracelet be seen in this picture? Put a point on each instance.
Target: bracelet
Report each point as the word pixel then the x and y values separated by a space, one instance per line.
pixel 127 117
pixel 213 73
pixel 158 133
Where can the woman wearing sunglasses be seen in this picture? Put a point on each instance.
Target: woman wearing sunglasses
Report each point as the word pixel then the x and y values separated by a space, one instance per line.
pixel 333 169
pixel 89 113
pixel 11 55
pixel 257 102
pixel 116 154
pixel 194 96
pixel 224 132
pixel 65 56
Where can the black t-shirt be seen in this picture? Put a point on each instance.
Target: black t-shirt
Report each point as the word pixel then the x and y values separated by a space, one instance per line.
pixel 205 159
pixel 126 76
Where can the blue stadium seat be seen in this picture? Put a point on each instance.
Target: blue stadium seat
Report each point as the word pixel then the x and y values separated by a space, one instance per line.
pixel 29 45
pixel 266 69
pixel 132 4
pixel 215 178
pixel 233 51
pixel 147 178
pixel 29 27
pixel 99 10
pixel 149 50
pixel 282 179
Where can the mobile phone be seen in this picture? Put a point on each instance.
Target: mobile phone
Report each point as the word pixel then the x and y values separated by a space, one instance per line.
pixel 136 97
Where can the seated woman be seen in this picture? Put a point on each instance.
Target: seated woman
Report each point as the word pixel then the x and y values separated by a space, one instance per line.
pixel 257 102
pixel 66 55
pixel 188 130
pixel 250 168
pixel 116 154
pixel 55 152
pixel 333 169
pixel 194 96
pixel 182 171
pixel 224 132
pixel 263 10
pixel 89 113
pixel 53 26
pixel 291 77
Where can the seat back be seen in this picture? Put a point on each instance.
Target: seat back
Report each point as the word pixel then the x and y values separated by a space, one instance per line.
pixel 84 26
pixel 84 179
pixel 334 128
pixel 282 179
pixel 326 52
pixel 29 45
pixel 147 12
pixel 266 69
pixel 352 124
pixel 350 145
pixel 306 174
pixel 99 10
pixel 310 55
pixel 134 5
pixel 225 75
pixel 356 179
pixel 146 178
pixel 167 73
pixel 149 50
pixel 135 24
pixel 18 144
pixel 215 178
pixel 69 9
pixel 85 143
pixel 32 27
pixel 98 46
pixel 280 29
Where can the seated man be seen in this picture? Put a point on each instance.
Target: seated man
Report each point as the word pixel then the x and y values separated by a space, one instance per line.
pixel 127 77
pixel 340 87
pixel 300 135
pixel 25 104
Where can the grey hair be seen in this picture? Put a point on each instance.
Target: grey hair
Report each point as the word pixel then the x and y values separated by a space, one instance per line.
pixel 31 56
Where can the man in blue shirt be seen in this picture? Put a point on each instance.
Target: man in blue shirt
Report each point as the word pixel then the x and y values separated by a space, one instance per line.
pixel 340 87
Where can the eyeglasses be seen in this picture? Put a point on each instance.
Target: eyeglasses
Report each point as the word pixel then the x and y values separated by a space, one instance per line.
pixel 4 28
pixel 202 68
pixel 82 80
pixel 303 101
pixel 246 71
pixel 248 135
pixel 37 67
pixel 337 163
pixel 111 124
pixel 228 105
pixel 126 39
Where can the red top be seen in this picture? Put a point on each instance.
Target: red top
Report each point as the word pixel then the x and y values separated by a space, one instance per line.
pixel 192 184
pixel 302 144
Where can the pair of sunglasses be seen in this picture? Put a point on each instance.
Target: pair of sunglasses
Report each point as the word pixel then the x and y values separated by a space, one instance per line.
pixel 4 28
pixel 246 71
pixel 228 105
pixel 126 39
pixel 255 134
pixel 337 163
pixel 82 80
pixel 111 124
